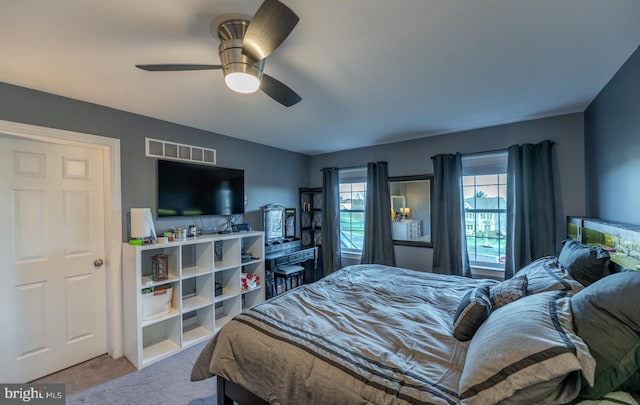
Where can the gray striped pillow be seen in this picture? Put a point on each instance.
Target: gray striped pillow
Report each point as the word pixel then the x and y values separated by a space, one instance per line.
pixel 526 352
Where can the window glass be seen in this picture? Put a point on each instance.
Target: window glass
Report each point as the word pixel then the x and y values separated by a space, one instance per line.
pixel 485 206
pixel 353 191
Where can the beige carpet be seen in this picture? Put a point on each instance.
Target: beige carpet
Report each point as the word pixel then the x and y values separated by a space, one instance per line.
pixel 90 373
pixel 165 382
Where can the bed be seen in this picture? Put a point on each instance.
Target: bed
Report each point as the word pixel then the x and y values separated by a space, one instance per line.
pixel 373 334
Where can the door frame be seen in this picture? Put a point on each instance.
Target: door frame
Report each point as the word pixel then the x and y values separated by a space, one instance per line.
pixel 110 148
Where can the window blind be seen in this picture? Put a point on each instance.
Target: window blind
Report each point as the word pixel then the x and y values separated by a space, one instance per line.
pixel 484 163
pixel 353 175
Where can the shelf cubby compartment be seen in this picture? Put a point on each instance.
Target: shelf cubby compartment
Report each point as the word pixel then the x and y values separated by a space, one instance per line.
pixel 160 340
pixel 254 247
pixel 197 326
pixel 229 279
pixel 197 258
pixel 174 308
pixel 256 268
pixel 226 253
pixel 225 310
pixel 197 292
pixel 252 297
pixel 146 258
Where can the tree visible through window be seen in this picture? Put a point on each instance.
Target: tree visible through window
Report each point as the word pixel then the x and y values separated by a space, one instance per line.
pixel 485 207
pixel 353 191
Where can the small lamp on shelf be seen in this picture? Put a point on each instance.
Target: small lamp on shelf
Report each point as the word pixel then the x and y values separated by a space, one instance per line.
pixel 405 211
pixel 142 227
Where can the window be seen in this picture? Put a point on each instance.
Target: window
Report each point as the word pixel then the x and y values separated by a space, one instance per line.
pixel 484 185
pixel 353 191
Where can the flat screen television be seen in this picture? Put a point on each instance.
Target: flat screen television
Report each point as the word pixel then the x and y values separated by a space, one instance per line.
pixel 188 189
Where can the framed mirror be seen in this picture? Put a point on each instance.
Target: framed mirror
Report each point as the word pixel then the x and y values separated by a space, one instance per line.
pixel 398 202
pixel 273 216
pixel 411 209
pixel 290 223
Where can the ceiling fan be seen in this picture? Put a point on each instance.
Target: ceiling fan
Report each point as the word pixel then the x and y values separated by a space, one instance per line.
pixel 243 48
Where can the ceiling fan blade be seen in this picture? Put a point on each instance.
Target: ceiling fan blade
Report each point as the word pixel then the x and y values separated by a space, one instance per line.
pixel 279 91
pixel 176 67
pixel 270 26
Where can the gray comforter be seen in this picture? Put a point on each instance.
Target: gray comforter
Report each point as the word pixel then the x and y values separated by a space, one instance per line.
pixel 366 334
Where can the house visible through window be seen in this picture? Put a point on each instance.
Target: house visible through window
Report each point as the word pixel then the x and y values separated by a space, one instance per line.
pixel 353 191
pixel 484 185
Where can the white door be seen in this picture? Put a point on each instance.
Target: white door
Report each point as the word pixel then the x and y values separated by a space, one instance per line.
pixel 52 294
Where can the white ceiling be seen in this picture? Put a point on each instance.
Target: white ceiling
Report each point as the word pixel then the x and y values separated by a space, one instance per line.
pixel 368 71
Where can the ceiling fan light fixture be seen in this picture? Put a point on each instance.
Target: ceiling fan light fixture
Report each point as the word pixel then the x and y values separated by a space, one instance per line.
pixel 242 82
pixel 242 74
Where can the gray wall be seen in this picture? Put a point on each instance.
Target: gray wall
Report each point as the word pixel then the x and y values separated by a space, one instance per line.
pixel 612 147
pixel 414 157
pixel 271 175
pixel 274 175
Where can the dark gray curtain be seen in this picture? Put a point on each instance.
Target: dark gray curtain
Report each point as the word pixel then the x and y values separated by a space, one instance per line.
pixel 449 241
pixel 331 252
pixel 378 241
pixel 531 215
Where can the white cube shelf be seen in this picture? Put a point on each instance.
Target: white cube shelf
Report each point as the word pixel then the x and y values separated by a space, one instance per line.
pixel 196 313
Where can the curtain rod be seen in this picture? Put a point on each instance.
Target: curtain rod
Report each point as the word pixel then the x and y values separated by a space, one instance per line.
pixel 474 154
pixel 347 168
pixel 488 152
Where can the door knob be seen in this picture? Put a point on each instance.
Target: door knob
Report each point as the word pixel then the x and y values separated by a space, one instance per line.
pixel 98 262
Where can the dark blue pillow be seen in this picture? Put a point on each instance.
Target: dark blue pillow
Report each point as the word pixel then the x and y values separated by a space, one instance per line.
pixel 473 310
pixel 586 264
